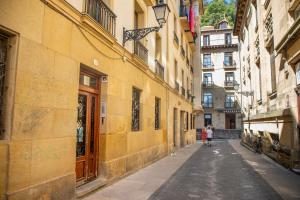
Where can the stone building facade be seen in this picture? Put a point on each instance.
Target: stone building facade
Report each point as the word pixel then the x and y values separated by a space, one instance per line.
pixel 220 73
pixel 78 107
pixel 268 32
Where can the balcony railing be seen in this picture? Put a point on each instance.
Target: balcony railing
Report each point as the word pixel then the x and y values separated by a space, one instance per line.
pixel 182 91
pixel 229 83
pixel 141 51
pixel 100 12
pixel 208 65
pixel 268 24
pixel 177 86
pixel 176 38
pixel 219 42
pixel 208 83
pixel 159 70
pixel 182 51
pixel 229 104
pixel 229 64
pixel 183 11
pixel 207 104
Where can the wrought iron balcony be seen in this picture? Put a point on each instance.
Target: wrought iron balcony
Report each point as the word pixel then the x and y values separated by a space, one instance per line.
pixel 229 83
pixel 206 83
pixel 183 11
pixel 229 104
pixel 182 91
pixel 100 12
pixel 159 70
pixel 141 51
pixel 182 51
pixel 176 40
pixel 177 86
pixel 208 65
pixel 268 24
pixel 207 104
pixel 229 64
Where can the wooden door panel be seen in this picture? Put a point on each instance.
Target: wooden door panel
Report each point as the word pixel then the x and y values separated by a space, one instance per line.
pixel 87 135
pixel 80 170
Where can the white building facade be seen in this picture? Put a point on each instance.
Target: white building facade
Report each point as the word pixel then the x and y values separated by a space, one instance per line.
pixel 220 73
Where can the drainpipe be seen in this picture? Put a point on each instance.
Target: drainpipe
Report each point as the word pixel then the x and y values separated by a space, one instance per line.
pixel 167 92
pixel 242 119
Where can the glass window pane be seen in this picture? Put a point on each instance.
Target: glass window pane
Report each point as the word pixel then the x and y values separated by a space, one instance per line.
pixel 81 125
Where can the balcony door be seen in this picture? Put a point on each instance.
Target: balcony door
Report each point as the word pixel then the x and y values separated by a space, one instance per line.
pixel 207 78
pixel 87 128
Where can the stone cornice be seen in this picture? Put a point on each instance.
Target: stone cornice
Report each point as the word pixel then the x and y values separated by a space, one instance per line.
pixel 240 15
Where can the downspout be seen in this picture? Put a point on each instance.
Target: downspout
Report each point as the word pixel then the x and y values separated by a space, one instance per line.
pixel 242 118
pixel 167 92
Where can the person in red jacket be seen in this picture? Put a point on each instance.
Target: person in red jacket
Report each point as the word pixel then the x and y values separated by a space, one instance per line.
pixel 203 136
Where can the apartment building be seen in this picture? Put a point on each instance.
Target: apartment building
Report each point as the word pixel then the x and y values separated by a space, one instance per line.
pixel 220 73
pixel 80 103
pixel 268 32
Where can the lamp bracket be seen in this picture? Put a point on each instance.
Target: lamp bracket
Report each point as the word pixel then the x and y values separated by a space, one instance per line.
pixel 246 93
pixel 137 34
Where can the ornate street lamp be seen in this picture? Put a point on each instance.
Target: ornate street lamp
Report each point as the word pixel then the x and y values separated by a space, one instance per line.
pixel 161 11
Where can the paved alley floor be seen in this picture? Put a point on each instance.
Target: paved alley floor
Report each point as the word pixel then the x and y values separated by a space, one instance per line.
pixel 224 171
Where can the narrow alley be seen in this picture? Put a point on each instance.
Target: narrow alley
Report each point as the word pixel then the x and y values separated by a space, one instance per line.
pixel 226 170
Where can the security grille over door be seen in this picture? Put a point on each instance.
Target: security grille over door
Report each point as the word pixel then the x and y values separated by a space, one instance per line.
pixel 3 59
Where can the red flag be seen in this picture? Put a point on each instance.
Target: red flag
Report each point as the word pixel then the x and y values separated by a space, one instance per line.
pixel 192 20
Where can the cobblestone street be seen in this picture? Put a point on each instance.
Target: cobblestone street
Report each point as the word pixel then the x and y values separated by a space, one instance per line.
pixel 224 171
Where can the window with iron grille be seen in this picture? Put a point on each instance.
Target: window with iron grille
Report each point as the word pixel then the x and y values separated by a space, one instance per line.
pixel 3 59
pixel 157 113
pixel 135 123
pixel 187 121
pixel 191 121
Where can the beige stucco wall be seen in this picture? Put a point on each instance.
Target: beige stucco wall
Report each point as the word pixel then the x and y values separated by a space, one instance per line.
pixel 41 149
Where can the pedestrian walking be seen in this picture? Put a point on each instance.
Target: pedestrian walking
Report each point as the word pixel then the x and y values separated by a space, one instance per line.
pixel 203 135
pixel 209 133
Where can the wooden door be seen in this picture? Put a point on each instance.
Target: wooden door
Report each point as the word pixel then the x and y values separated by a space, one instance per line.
pixel 87 131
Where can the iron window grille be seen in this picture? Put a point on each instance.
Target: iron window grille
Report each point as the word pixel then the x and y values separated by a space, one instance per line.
pixel 157 113
pixel 135 123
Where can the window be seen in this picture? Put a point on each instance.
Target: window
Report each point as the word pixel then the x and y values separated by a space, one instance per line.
pixel 259 83
pixel 207 60
pixel 135 123
pixel 207 79
pixel 207 99
pixel 230 100
pixel 3 70
pixel 273 68
pixel 191 121
pixel 187 121
pixel 182 78
pixel 228 39
pixel 176 69
pixel 158 48
pixel 228 59
pixel 298 73
pixel 229 79
pixel 206 40
pixel 223 25
pixel 157 113
pixel 207 120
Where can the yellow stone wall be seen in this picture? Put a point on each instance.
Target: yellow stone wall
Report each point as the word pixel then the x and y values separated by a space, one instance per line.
pixel 40 151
